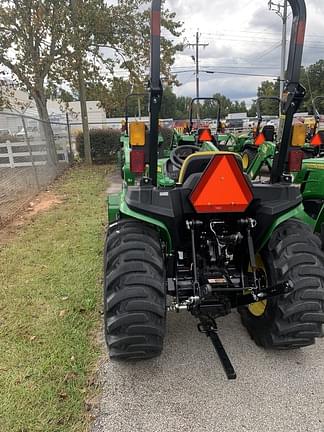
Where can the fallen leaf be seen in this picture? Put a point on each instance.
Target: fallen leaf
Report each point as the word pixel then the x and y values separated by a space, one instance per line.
pixel 63 395
pixel 62 313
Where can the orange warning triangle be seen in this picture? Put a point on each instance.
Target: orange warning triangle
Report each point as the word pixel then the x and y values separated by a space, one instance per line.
pixel 316 140
pixel 260 139
pixel 222 187
pixel 204 135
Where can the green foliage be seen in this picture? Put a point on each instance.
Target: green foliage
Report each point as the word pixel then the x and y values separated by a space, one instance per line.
pixel 113 99
pixel 312 78
pixel 104 145
pixel 49 42
pixel 50 302
pixel 269 88
pixel 208 109
pixel 169 104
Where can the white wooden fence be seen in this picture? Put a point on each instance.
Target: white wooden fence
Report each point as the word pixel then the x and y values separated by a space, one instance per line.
pixel 12 155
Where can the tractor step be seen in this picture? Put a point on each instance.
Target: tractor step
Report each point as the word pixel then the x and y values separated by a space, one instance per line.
pixel 211 332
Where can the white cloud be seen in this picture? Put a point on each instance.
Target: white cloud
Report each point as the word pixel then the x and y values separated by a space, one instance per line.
pixel 243 37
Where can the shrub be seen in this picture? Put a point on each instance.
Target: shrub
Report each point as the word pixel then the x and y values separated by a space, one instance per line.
pixel 104 145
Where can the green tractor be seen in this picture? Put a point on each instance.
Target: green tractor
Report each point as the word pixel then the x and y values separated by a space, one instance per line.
pixel 248 144
pixel 307 171
pixel 195 133
pixel 212 240
pixel 317 136
pixel 235 143
pixel 260 137
pixel 301 148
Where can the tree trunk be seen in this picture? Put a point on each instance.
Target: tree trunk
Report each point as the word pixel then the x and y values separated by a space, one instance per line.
pixel 41 104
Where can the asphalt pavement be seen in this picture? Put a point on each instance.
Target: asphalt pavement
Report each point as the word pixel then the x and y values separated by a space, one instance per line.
pixel 186 389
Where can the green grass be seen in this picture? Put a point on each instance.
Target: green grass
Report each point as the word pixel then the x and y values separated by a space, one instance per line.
pixel 50 296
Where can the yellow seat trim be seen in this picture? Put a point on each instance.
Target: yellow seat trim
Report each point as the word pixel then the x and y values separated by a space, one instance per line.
pixel 203 153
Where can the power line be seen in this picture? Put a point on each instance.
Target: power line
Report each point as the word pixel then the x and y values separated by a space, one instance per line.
pixel 230 67
pixel 229 73
pixel 197 45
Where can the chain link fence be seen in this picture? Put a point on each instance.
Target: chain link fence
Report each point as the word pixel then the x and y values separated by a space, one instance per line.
pixel 32 155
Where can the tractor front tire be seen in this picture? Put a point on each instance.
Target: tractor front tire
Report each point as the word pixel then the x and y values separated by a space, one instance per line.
pixel 134 291
pixel 248 157
pixel 295 319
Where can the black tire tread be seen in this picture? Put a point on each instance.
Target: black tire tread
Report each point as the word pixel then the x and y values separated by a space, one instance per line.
pixel 251 153
pixel 134 291
pixel 293 320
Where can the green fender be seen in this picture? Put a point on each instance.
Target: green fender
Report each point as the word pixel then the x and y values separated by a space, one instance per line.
pixel 117 208
pixel 296 213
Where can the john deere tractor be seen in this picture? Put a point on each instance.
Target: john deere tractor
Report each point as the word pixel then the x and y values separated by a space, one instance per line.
pixel 196 131
pixel 212 240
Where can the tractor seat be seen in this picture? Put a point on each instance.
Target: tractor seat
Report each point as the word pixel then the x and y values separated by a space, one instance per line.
pixel 197 163
pixel 268 132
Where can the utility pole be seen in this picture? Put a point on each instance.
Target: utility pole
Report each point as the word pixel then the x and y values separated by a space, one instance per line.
pixel 282 11
pixel 195 58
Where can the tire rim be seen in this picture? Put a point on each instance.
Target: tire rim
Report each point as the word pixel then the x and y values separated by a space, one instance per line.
pixel 258 309
pixel 245 161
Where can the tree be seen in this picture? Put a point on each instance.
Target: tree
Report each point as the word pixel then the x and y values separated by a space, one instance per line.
pixel 113 99
pixel 312 78
pixel 169 104
pixel 182 108
pixel 42 52
pixel 269 88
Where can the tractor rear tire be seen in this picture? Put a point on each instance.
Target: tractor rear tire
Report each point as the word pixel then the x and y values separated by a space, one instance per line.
pixel 248 157
pixel 134 291
pixel 295 319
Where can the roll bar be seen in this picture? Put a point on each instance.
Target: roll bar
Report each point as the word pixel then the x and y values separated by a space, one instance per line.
pixel 293 91
pixel 156 90
pixel 204 98
pixel 317 113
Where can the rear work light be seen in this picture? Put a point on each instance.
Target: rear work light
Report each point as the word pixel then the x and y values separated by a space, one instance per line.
pixel 295 160
pixel 204 135
pixel 222 187
pixel 137 160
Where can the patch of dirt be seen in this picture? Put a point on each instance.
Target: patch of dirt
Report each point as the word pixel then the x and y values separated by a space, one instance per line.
pixel 44 201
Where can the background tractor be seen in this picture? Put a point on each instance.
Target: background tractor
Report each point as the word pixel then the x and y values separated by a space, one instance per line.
pixel 212 240
pixel 262 136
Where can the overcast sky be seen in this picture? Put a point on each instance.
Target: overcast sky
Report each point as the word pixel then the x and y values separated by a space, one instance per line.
pixel 243 37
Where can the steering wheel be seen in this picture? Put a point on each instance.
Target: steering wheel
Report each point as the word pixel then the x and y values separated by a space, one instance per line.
pixel 179 154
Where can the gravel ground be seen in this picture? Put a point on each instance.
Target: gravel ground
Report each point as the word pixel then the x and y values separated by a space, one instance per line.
pixel 186 389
